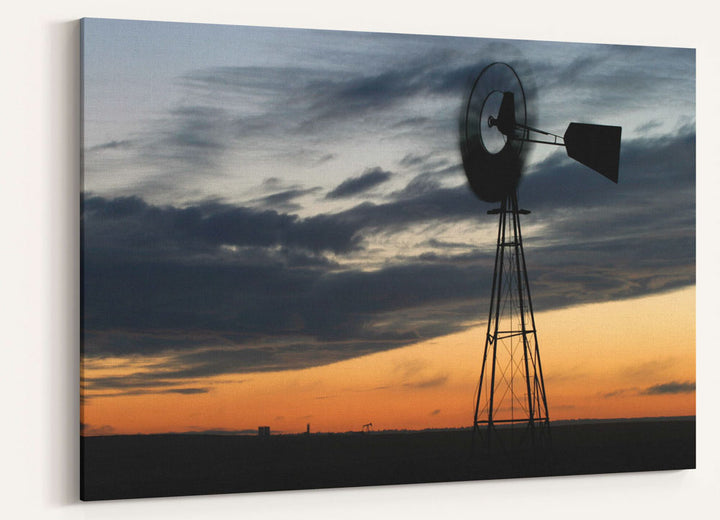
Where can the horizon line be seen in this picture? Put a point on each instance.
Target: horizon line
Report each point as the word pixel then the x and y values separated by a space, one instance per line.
pixel 254 432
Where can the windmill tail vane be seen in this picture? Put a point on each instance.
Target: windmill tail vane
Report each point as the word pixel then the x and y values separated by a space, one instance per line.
pixel 595 146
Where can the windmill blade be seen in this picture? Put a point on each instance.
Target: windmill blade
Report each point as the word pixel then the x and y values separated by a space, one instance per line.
pixel 506 115
pixel 595 146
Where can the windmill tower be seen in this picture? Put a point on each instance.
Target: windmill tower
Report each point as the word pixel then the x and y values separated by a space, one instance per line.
pixel 511 395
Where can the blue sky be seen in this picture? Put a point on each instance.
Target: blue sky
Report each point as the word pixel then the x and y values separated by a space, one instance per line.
pixel 303 190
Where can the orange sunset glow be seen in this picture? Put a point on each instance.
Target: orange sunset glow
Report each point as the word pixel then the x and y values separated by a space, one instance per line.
pixel 605 360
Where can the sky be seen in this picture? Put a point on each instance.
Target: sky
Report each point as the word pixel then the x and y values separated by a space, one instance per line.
pixel 277 229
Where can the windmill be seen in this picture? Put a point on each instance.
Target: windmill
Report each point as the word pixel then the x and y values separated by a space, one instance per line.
pixel 493 134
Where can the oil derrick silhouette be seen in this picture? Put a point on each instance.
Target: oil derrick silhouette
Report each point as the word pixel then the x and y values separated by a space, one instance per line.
pixel 511 408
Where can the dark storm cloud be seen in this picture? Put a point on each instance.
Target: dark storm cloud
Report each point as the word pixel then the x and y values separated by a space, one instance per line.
pixel 317 313
pixel 169 269
pixel 640 233
pixel 603 271
pixel 220 288
pixel 673 387
pixel 654 172
pixel 251 314
pixel 131 225
pixel 356 185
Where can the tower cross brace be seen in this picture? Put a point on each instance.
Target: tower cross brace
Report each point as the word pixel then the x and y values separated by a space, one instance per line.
pixel 511 390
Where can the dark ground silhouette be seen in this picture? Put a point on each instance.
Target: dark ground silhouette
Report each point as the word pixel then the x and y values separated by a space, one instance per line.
pixel 135 466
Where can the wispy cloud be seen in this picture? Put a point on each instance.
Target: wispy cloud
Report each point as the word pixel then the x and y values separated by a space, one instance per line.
pixel 285 200
pixel 673 387
pixel 620 392
pixel 89 394
pixel 90 430
pixel 356 185
pixel 428 383
pixel 113 145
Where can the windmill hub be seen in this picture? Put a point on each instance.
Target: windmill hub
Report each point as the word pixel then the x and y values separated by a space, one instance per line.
pixel 492 139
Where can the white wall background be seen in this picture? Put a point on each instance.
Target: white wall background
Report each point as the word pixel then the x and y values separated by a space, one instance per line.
pixel 39 262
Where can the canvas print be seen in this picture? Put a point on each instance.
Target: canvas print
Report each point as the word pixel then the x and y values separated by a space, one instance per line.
pixel 316 259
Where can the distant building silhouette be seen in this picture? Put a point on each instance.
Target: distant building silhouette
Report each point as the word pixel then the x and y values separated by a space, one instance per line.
pixel 263 431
